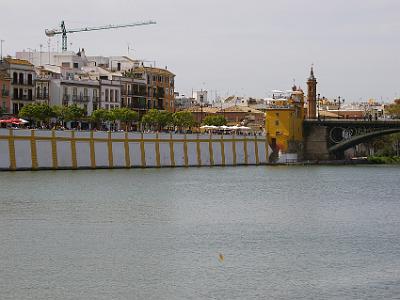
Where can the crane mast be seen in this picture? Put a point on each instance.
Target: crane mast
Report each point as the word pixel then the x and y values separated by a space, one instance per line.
pixel 63 31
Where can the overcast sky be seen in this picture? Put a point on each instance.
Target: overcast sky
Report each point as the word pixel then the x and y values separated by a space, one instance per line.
pixel 234 47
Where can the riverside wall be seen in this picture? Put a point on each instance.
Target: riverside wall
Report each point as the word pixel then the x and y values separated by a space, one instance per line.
pixel 44 149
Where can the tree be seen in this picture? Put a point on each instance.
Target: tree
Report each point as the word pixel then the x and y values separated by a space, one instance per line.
pixel 125 115
pixel 393 110
pixel 74 113
pixel 99 116
pixel 60 112
pixel 37 112
pixel 215 120
pixel 157 118
pixel 183 119
pixel 164 119
pixel 27 112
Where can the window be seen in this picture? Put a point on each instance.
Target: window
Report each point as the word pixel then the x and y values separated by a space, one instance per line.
pixel 85 92
pixel 111 95
pixel 30 79
pixel 15 78
pixel 277 123
pixel 277 114
pixel 38 92
pixel 21 78
pixel 106 95
pixel 76 66
pixel 45 92
pixel 75 91
pixel 116 96
pixel 65 64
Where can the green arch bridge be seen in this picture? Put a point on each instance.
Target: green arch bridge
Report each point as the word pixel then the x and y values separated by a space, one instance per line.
pixel 328 139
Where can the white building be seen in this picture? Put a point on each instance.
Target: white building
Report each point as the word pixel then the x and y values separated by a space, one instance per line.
pixel 114 63
pixel 183 102
pixel 83 93
pixel 200 96
pixel 110 94
pixel 68 60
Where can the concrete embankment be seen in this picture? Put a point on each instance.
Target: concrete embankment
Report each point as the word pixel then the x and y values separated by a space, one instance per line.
pixel 43 149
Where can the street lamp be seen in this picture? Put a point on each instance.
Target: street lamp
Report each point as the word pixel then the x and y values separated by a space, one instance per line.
pixel 339 101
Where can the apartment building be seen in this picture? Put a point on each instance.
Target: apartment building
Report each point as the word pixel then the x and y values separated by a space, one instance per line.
pixel 160 87
pixel 5 99
pixel 23 77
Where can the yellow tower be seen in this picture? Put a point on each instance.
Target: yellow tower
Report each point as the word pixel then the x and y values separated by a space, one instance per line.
pixel 312 96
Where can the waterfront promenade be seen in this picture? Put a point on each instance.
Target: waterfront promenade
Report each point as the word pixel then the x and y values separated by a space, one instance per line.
pixel 44 149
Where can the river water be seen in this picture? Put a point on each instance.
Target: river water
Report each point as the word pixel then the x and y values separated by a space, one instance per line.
pixel 295 232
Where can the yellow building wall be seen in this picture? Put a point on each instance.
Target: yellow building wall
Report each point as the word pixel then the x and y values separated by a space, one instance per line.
pixel 284 125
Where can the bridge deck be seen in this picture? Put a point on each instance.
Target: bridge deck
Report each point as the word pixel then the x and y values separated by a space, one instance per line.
pixel 354 122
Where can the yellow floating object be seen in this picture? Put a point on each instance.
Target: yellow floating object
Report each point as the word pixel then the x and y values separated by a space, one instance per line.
pixel 221 257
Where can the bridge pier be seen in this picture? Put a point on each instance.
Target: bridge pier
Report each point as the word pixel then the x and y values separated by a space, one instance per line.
pixel 315 143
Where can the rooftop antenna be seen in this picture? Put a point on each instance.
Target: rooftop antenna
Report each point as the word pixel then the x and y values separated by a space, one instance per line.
pixel 48 48
pixel 1 51
pixel 40 54
pixel 129 48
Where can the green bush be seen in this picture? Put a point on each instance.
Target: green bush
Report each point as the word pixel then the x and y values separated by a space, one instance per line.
pixel 384 159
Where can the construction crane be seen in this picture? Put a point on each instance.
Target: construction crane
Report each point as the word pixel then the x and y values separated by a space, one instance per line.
pixel 64 31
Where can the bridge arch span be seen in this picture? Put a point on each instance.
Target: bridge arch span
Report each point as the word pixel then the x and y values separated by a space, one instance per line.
pixel 347 144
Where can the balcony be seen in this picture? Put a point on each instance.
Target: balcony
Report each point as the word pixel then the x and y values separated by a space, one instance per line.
pixel 42 96
pixel 80 99
pixel 138 103
pixel 23 82
pixel 27 97
pixel 23 97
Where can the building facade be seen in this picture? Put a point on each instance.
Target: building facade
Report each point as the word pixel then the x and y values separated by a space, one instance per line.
pixel 22 87
pixel 42 88
pixel 201 97
pixel 5 98
pixel 83 93
pixel 284 122
pixel 160 88
pixel 110 95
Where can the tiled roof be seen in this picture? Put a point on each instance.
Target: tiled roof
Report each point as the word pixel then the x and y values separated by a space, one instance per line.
pixel 204 109
pixel 241 109
pixel 16 61
pixel 152 70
